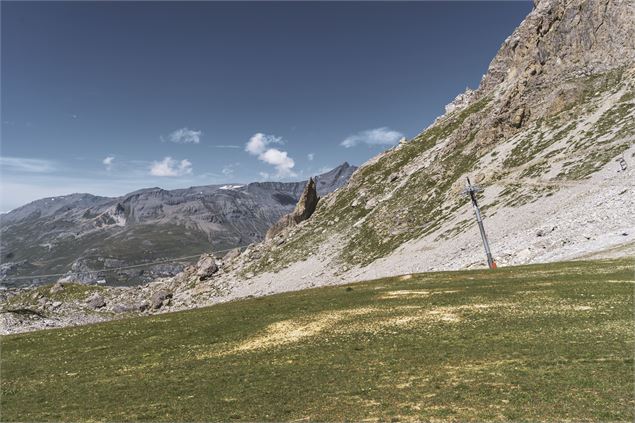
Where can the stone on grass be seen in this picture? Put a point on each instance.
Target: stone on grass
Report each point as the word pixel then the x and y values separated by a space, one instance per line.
pixel 58 287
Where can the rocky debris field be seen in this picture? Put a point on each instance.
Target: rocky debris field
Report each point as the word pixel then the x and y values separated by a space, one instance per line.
pixel 69 304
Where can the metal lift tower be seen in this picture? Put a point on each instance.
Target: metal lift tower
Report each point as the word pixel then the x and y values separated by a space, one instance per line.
pixel 471 190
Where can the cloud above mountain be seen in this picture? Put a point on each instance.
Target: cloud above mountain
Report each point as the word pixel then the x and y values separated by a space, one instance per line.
pixel 170 167
pixel 108 162
pixel 185 136
pixel 377 136
pixel 258 145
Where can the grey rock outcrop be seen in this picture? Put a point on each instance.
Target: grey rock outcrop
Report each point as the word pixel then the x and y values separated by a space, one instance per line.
pixel 461 101
pixel 206 267
pixel 565 39
pixel 96 301
pixel 231 255
pixel 557 42
pixel 307 203
pixel 160 298
pixel 58 287
pixel 303 210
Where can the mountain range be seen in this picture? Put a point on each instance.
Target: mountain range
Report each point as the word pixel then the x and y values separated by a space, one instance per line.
pixel 85 233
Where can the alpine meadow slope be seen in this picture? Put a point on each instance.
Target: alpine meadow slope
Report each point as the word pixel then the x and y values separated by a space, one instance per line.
pixel 547 342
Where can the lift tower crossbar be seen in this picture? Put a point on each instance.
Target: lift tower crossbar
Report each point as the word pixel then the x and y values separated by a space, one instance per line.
pixel 471 190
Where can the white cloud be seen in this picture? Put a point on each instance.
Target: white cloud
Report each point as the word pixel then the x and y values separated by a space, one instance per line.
pixel 185 136
pixel 108 162
pixel 226 146
pixel 257 146
pixel 258 143
pixel 170 167
pixel 377 136
pixel 310 156
pixel 280 159
pixel 21 164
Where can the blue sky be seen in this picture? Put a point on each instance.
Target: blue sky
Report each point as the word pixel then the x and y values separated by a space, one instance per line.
pixel 109 97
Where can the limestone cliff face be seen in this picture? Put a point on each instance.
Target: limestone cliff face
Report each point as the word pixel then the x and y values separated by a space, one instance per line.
pixel 563 39
pixel 558 41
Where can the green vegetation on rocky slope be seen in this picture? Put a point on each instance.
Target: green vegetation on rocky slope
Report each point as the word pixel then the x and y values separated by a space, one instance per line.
pixel 541 342
pixel 412 190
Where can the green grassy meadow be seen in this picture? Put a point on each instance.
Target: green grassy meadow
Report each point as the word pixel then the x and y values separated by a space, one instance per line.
pixel 540 342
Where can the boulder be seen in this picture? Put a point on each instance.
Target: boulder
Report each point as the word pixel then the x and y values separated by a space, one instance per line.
pixel 370 204
pixel 518 118
pixel 159 298
pixel 58 287
pixel 206 266
pixel 96 301
pixel 231 255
